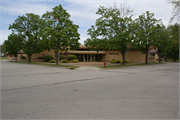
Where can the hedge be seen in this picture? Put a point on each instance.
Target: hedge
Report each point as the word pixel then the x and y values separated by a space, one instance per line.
pixel 62 57
pixel 71 57
pixel 127 61
pixel 52 61
pixel 47 58
pixel 74 61
pixel 22 57
pixel 119 61
pixel 64 61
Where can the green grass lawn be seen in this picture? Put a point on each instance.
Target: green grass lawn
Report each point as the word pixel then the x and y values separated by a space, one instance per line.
pixel 70 66
pixel 49 64
pixel 4 57
pixel 138 64
pixel 171 60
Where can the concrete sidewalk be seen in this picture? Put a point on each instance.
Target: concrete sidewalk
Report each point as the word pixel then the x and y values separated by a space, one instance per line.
pixel 87 68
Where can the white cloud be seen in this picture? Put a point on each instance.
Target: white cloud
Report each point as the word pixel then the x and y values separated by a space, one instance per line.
pixel 20 8
pixel 4 35
pixel 85 18
pixel 83 37
pixel 83 12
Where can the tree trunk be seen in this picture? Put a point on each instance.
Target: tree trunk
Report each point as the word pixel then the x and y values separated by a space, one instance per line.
pixel 57 57
pixel 146 54
pixel 15 57
pixel 123 52
pixel 29 58
pixel 174 59
pixel 159 57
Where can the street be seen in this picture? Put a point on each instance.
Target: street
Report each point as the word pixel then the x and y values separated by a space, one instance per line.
pixel 46 92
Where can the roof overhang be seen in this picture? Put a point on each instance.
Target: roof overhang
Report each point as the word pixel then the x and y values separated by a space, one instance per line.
pixel 86 52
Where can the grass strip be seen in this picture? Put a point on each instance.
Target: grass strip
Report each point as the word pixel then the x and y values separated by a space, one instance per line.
pixel 66 66
pixel 4 58
pixel 118 66
pixel 172 60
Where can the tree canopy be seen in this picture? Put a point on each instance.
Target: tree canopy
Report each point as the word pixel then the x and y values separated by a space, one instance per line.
pixel 59 32
pixel 28 27
pixel 161 39
pixel 173 47
pixel 144 34
pixel 13 44
pixel 113 30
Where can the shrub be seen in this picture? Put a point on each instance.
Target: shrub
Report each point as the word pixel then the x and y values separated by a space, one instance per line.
pixel 22 57
pixel 158 59
pixel 40 57
pixel 63 61
pixel 62 57
pixel 74 61
pixel 127 61
pixel 47 58
pixel 52 61
pixel 118 61
pixel 113 61
pixel 121 61
pixel 71 57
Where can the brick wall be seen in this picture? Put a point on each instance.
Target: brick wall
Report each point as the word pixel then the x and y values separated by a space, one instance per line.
pixel 111 55
pixel 151 60
pixel 132 56
pixel 45 52
pixel 135 56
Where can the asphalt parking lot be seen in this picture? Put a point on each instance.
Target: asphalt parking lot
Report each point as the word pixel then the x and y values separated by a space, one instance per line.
pixel 44 92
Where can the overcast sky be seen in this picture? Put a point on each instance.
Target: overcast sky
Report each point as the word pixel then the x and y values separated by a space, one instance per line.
pixel 83 12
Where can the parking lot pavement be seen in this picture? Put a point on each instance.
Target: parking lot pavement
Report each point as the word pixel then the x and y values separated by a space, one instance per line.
pixel 44 92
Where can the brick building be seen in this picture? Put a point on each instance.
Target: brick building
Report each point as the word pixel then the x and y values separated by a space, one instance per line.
pixel 84 55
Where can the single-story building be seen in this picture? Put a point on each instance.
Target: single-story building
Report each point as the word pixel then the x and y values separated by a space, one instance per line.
pixel 84 55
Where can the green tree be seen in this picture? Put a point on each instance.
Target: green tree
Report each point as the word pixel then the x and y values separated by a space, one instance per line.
pixel 113 30
pixel 144 33
pixel 173 49
pixel 28 26
pixel 13 44
pixel 60 33
pixel 160 39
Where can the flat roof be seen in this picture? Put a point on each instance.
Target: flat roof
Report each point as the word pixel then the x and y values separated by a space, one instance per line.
pixel 84 47
pixel 87 52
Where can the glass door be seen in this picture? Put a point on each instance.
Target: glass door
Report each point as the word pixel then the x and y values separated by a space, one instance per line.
pixel 86 57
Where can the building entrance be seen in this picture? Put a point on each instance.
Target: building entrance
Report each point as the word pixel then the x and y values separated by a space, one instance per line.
pixel 89 57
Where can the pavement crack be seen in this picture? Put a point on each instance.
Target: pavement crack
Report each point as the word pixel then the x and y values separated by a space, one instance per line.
pixel 71 81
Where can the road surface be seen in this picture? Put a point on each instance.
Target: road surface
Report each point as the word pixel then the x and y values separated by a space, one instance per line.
pixel 44 92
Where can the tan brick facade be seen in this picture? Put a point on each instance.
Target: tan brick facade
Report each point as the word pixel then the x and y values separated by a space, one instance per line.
pixel 107 56
pixel 34 57
pixel 132 56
